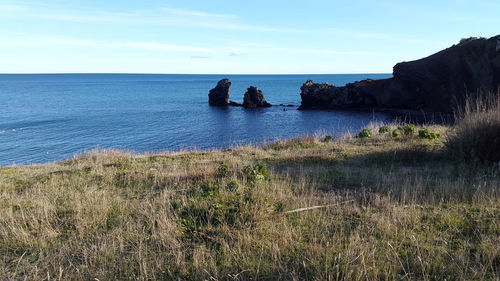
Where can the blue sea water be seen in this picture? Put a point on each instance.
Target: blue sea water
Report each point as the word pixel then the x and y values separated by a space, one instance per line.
pixel 50 117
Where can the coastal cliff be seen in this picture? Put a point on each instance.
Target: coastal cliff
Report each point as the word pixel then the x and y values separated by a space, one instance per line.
pixel 436 83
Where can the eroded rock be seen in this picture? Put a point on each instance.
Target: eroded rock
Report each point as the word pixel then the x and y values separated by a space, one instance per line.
pixel 254 98
pixel 219 96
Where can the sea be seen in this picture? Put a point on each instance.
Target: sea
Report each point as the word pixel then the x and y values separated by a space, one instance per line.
pixel 52 117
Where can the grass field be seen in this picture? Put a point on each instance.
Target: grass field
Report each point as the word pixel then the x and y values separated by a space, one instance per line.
pixel 389 209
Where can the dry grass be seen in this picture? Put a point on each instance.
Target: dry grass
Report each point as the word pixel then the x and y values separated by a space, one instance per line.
pixel 407 212
pixel 477 134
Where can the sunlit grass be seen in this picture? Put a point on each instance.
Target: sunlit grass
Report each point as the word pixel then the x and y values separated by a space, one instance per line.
pixel 401 209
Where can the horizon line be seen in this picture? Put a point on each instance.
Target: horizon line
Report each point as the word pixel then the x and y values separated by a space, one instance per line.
pixel 151 73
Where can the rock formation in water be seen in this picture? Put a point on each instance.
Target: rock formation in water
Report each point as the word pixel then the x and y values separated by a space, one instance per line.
pixel 219 96
pixel 254 98
pixel 435 83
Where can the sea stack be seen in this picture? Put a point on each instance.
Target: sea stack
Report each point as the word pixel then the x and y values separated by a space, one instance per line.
pixel 219 96
pixel 254 98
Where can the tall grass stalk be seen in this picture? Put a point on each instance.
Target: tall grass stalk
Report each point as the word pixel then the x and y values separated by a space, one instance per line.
pixel 476 136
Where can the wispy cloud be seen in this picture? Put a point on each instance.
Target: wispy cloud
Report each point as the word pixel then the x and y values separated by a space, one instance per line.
pixel 26 40
pixel 10 8
pixel 195 13
pixel 156 46
pixel 341 32
pixel 201 57
pixel 356 34
pixel 239 48
pixel 166 16
pixel 237 53
pixel 321 51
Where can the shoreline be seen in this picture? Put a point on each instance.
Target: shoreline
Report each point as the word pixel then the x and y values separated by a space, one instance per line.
pixel 318 136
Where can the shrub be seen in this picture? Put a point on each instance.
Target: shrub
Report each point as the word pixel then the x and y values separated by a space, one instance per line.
pixel 476 135
pixel 384 129
pixel 470 39
pixel 202 213
pixel 256 172
pixel 223 171
pixel 279 207
pixel 409 129
pixel 396 133
pixel 232 186
pixel 427 134
pixel 365 133
pixel 328 139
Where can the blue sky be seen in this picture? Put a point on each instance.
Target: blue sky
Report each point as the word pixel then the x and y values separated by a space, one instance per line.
pixel 233 37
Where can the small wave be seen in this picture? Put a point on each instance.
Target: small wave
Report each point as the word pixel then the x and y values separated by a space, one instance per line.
pixel 15 126
pixel 10 130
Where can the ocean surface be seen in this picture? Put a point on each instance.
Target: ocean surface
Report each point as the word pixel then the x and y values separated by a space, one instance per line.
pixel 51 117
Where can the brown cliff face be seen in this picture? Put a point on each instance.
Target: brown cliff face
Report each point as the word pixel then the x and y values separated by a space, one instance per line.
pixel 435 83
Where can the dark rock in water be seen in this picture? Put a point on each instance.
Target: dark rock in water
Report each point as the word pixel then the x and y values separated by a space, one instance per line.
pixel 436 83
pixel 232 103
pixel 254 98
pixel 219 96
pixel 327 96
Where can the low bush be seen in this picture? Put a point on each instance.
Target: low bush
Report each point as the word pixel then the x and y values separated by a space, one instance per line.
pixel 409 129
pixel 384 129
pixel 256 172
pixel 223 171
pixel 427 134
pixel 232 186
pixel 396 133
pixel 365 133
pixel 476 136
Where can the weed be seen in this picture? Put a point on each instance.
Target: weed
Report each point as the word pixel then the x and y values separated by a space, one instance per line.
pixel 409 129
pixel 232 186
pixel 256 172
pixel 365 133
pixel 427 134
pixel 384 129
pixel 223 171
pixel 396 133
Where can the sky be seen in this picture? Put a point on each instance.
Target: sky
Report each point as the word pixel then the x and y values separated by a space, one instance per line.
pixel 233 37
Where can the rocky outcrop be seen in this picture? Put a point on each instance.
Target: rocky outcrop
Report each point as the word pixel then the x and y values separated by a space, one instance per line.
pixel 327 96
pixel 254 98
pixel 436 83
pixel 219 96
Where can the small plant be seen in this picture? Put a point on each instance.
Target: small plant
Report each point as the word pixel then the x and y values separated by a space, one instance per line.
pixel 396 133
pixel 384 129
pixel 409 129
pixel 223 171
pixel 365 133
pixel 427 134
pixel 256 172
pixel 279 207
pixel 209 189
pixel 328 139
pixel 232 186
